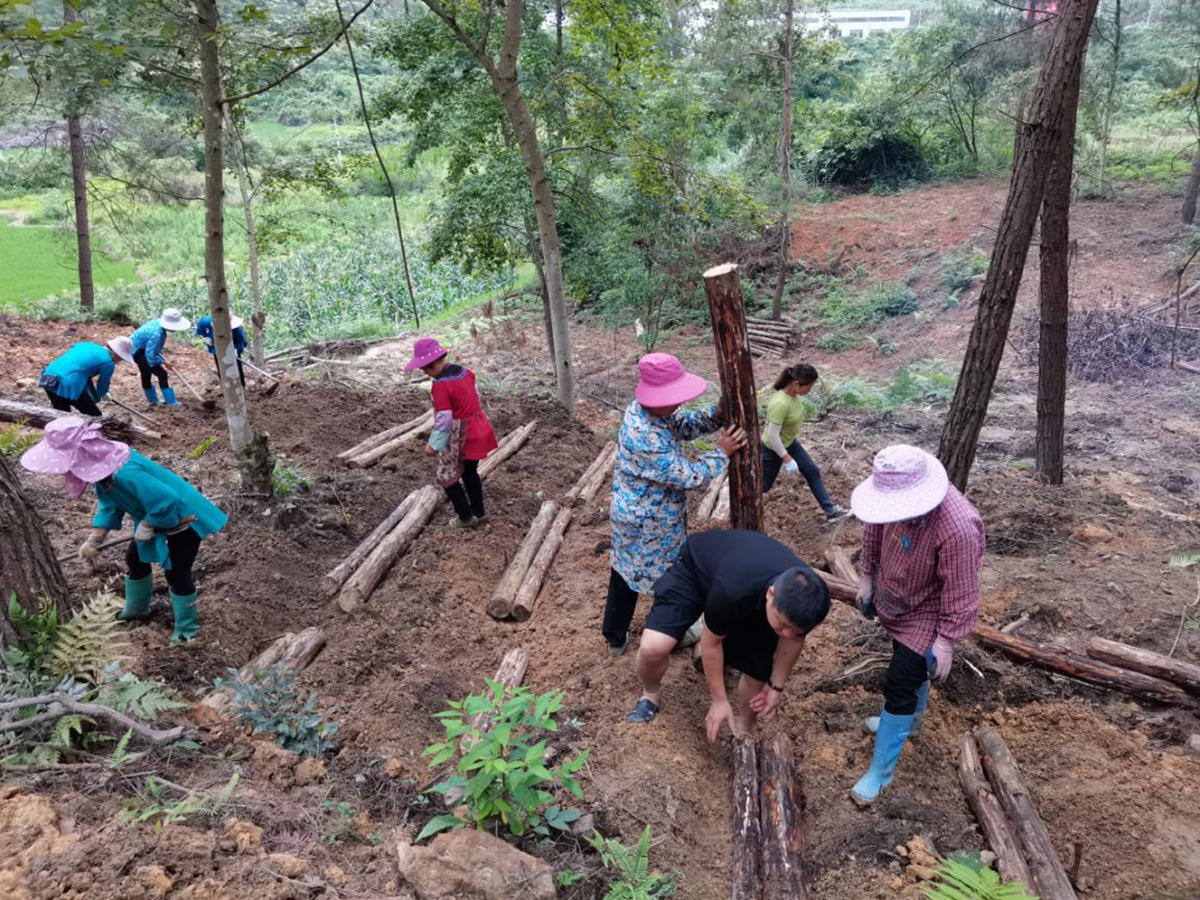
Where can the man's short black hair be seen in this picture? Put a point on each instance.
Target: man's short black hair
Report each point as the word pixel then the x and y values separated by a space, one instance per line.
pixel 802 598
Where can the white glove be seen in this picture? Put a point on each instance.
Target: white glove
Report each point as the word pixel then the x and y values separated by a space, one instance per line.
pixel 143 532
pixel 91 547
pixel 791 467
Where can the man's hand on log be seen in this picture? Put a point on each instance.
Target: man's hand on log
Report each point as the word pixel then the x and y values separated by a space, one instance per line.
pixel 732 440
pixel 720 713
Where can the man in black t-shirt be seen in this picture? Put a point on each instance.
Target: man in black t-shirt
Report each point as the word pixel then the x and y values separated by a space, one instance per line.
pixel 758 601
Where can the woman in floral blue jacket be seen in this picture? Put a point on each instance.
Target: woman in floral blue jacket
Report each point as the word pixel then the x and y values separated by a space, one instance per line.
pixel 650 479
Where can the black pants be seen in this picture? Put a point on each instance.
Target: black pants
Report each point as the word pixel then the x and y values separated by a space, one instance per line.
pixel 241 371
pixel 146 370
pixel 772 462
pixel 85 404
pixel 618 609
pixel 467 495
pixel 906 673
pixel 181 548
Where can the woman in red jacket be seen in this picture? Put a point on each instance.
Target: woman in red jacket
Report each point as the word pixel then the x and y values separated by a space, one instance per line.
pixel 462 434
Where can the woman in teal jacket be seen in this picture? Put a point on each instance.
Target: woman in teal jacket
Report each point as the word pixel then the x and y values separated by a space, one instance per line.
pixel 68 379
pixel 170 517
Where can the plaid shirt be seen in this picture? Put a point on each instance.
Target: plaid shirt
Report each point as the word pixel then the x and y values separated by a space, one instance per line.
pixel 926 572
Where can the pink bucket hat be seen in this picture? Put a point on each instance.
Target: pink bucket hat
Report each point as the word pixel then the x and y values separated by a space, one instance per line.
pixel 76 450
pixel 425 351
pixel 665 382
pixel 905 482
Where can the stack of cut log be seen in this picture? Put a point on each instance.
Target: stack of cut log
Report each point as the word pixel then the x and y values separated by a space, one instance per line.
pixel 768 337
pixel 353 580
pixel 367 453
pixel 1008 817
pixel 768 823
pixel 715 502
pixel 36 416
pixel 1141 673
pixel 517 592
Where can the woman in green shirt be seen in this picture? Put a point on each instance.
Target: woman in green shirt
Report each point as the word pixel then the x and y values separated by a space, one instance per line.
pixel 781 449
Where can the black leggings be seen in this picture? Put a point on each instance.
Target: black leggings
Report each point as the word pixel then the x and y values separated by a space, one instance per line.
pixel 906 673
pixel 85 404
pixel 146 370
pixel 241 371
pixel 618 609
pixel 467 495
pixel 181 548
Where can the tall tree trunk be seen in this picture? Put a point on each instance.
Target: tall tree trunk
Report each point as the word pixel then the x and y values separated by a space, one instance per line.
pixel 1038 150
pixel 1055 285
pixel 83 231
pixel 259 317
pixel 1110 96
pixel 29 569
pixel 535 253
pixel 1192 194
pixel 785 159
pixel 254 460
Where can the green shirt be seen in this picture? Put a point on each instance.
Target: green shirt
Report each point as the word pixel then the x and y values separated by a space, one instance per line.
pixel 789 413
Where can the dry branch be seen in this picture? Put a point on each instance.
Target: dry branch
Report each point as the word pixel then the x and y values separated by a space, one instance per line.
pixel 1185 674
pixel 500 606
pixel 747 840
pixel 67 705
pixel 522 607
pixel 782 822
pixel 336 577
pixel 293 651
pixel 36 416
pixel 998 830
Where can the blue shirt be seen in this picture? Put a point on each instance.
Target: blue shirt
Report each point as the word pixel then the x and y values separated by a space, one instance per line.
pixel 77 367
pixel 204 329
pixel 150 337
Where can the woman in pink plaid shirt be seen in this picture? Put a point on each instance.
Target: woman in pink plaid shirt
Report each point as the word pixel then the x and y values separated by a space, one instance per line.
pixel 922 550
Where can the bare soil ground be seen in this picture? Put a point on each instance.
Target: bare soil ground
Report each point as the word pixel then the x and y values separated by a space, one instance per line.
pixel 1109 774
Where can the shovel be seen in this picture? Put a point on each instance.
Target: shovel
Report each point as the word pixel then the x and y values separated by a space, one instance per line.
pixel 132 411
pixel 251 366
pixel 207 404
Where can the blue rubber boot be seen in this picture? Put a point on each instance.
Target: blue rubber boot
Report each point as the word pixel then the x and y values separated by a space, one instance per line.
pixel 169 397
pixel 889 741
pixel 151 395
pixel 871 724
pixel 187 618
pixel 137 598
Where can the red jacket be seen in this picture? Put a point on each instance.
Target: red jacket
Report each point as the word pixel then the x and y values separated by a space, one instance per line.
pixel 455 398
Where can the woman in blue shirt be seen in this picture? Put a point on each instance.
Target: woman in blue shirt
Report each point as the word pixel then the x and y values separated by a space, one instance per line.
pixel 68 379
pixel 204 330
pixel 148 342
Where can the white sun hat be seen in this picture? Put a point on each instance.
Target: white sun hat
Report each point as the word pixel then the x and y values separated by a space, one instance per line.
pixel 122 346
pixel 906 482
pixel 235 321
pixel 173 320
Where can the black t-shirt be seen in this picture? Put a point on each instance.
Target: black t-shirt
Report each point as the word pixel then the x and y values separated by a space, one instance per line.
pixel 732 571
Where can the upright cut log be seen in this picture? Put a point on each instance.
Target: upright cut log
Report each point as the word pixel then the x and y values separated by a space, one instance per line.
pixel 1185 674
pixel 839 563
pixel 336 577
pixel 510 675
pixel 423 420
pixel 739 401
pixel 36 416
pixel 747 839
pixel 998 830
pixel 721 507
pixel 1050 880
pixel 290 651
pixel 500 606
pixel 526 598
pixel 709 501
pixel 782 818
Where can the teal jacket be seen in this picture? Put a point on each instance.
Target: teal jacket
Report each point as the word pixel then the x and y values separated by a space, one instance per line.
pixel 148 492
pixel 77 367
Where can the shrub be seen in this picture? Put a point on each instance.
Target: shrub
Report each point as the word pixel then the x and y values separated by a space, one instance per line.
pixel 287 478
pixel 922 381
pixel 862 154
pixel 501 772
pixel 270 702
pixel 885 299
pixel 960 268
pixel 15 439
pixel 633 866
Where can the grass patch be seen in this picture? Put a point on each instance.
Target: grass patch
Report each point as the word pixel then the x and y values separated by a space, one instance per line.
pixel 960 268
pixel 39 263
pixel 841 310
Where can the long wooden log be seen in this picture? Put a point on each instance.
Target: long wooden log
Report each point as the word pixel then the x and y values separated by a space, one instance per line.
pixel 293 651
pixel 333 580
pixel 1083 668
pixel 1049 878
pixel 782 818
pixel 595 474
pixel 709 500
pixel 36 416
pixel 997 829
pixel 500 606
pixel 531 586
pixel 374 455
pixel 597 479
pixel 510 675
pixel 839 563
pixel 509 445
pixel 721 507
pixel 1185 674
pixel 739 401
pixel 423 420
pixel 773 324
pixel 747 836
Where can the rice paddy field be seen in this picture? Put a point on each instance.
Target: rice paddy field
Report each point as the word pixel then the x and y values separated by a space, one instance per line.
pixel 37 261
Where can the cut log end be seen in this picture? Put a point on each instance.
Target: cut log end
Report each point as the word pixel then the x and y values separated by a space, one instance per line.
pixel 723 269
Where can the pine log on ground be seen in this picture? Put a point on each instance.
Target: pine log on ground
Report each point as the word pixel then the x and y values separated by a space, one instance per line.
pixel 839 563
pixel 500 606
pixel 510 675
pixel 1049 878
pixel 769 324
pixel 1184 674
pixel 747 839
pixel 709 501
pixel 592 478
pixel 782 822
pixel 383 437
pixel 509 445
pixel 739 399
pixel 375 454
pixel 36 416
pixel 294 651
pixel 535 577
pixel 336 577
pixel 997 829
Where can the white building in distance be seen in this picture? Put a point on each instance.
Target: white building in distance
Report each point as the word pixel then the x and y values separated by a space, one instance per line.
pixel 858 23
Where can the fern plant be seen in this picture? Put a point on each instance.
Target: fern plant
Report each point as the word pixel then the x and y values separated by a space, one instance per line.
pixel 957 880
pixel 131 695
pixel 154 805
pixel 87 642
pixel 632 864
